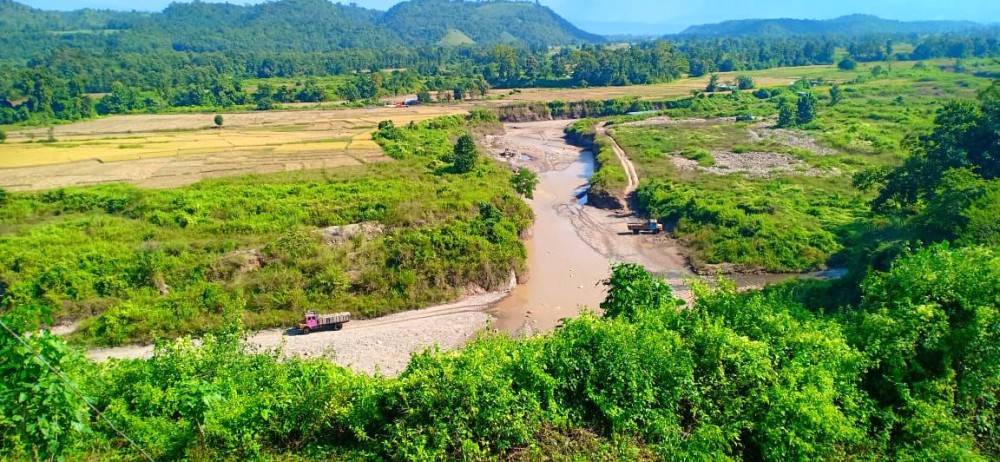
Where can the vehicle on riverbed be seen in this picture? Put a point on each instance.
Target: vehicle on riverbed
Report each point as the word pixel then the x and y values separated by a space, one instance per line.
pixel 650 226
pixel 314 322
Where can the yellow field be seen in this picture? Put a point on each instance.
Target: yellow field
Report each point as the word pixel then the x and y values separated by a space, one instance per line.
pixel 174 149
pixel 675 89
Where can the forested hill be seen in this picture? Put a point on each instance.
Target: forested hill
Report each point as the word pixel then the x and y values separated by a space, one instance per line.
pixel 451 22
pixel 300 25
pixel 853 25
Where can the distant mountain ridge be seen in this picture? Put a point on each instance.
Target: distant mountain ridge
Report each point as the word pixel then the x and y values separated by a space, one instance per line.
pixel 852 25
pixel 301 25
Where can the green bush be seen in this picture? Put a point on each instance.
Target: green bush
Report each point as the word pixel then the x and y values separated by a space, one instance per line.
pixel 139 265
pixel 909 372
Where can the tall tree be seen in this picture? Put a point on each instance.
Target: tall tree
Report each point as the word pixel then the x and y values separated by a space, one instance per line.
pixel 965 136
pixel 466 154
pixel 786 115
pixel 805 109
pixel 713 83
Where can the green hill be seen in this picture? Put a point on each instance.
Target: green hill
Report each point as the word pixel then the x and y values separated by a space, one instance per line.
pixel 852 25
pixel 426 21
pixel 283 25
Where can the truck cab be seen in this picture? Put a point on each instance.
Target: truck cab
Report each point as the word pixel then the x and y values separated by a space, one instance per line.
pixel 650 226
pixel 310 321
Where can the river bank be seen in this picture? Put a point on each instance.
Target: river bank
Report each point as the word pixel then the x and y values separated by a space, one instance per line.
pixel 571 248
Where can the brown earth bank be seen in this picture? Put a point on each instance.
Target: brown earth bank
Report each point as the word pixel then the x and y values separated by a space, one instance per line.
pixel 383 345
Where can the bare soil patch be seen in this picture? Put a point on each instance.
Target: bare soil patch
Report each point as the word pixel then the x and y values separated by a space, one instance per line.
pixel 751 165
pixel 764 132
pixel 538 146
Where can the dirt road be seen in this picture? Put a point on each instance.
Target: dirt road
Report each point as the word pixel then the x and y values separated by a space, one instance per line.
pixel 633 177
pixel 379 345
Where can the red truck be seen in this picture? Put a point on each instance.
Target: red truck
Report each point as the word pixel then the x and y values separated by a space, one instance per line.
pixel 313 321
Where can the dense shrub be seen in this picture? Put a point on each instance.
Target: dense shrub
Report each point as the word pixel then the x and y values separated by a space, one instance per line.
pixel 911 372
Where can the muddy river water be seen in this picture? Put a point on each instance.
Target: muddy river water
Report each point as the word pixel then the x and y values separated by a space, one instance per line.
pixel 572 246
pixel 564 272
pixel 570 251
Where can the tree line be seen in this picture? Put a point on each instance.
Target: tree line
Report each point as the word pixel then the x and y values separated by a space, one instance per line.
pixel 54 86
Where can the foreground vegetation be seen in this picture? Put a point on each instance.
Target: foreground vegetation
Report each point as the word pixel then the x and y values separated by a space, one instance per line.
pixel 137 265
pixel 910 373
pixel 797 213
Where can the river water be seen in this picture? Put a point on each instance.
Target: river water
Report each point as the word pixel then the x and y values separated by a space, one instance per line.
pixel 564 272
pixel 572 247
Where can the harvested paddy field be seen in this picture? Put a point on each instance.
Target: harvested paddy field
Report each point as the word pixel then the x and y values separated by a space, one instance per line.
pixel 173 150
pixel 677 88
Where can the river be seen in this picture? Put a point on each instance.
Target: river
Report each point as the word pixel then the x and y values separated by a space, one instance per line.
pixel 573 246
pixel 564 272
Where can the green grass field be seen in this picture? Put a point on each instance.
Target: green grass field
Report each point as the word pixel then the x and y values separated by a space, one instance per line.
pixel 138 265
pixel 790 220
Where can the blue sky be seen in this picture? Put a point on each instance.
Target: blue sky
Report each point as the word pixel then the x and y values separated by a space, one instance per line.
pixel 618 16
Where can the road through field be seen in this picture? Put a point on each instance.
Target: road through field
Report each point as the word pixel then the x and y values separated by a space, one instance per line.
pixel 633 177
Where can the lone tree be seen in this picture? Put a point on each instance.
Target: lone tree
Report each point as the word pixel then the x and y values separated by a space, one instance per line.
pixel 524 182
pixel 466 154
pixel 713 83
pixel 836 94
pixel 745 82
pixel 786 115
pixel 3 136
pixel 806 110
pixel 218 120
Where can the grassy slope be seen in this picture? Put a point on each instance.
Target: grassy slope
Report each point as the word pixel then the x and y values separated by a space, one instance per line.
pixel 455 38
pixel 787 223
pixel 142 264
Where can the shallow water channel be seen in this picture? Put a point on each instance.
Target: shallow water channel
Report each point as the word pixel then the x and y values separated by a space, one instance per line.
pixel 564 272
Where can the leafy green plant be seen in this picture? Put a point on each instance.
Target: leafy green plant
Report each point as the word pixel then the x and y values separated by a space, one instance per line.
pixel 524 182
pixel 466 155
pixel 40 412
